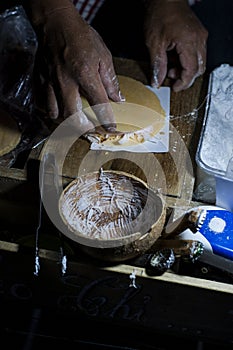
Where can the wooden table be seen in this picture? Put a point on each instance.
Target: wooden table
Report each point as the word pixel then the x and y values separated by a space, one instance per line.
pixel 166 309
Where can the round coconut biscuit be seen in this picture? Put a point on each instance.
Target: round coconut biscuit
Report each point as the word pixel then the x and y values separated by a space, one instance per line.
pixel 10 134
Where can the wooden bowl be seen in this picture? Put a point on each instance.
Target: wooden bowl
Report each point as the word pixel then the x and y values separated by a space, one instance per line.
pixel 112 215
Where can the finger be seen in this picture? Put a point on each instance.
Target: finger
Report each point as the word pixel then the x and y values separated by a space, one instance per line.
pixel 201 56
pixel 97 97
pixel 173 73
pixel 104 111
pixel 105 116
pixel 70 98
pixel 66 93
pixel 159 65
pixel 51 102
pixel 108 75
pixel 111 83
pixel 45 99
pixel 189 69
pixel 81 122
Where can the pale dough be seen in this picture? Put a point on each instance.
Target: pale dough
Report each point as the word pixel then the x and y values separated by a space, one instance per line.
pixel 139 118
pixel 9 133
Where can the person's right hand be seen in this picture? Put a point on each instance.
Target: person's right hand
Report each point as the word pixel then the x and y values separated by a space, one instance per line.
pixel 72 59
pixel 172 30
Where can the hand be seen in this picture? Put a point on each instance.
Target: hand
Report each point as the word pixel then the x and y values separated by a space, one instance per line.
pixel 72 59
pixel 172 30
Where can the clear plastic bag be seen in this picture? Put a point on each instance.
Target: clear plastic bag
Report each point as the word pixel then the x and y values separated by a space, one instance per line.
pixel 18 46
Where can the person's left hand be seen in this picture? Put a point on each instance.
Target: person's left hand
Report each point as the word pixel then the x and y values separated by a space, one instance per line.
pixel 172 30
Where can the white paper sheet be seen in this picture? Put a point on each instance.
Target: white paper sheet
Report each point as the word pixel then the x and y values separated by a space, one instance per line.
pixel 160 142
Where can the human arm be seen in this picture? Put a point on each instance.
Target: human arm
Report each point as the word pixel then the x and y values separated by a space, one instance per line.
pixel 172 29
pixel 72 59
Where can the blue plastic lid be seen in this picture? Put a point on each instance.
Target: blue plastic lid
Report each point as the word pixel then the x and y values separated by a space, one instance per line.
pixel 217 228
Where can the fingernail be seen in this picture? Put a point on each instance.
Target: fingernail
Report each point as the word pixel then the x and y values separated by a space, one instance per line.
pixel 122 97
pixel 52 115
pixel 155 85
pixel 110 127
pixel 111 130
